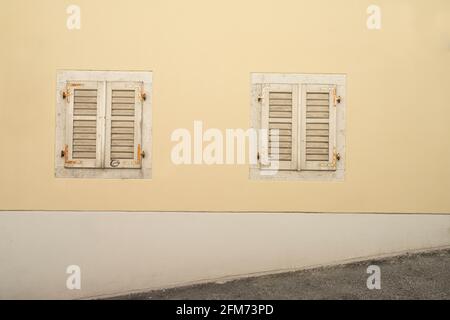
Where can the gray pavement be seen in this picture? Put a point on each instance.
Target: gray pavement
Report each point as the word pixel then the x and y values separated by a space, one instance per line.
pixel 414 276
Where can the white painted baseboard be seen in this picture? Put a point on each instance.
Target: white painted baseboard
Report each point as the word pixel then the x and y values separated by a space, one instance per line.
pixel 131 252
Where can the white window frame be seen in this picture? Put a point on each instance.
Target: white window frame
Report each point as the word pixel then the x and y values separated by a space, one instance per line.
pixel 63 78
pixel 259 81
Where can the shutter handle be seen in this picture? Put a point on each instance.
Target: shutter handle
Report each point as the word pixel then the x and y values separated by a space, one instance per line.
pixel 63 153
pixel 338 157
pixel 143 154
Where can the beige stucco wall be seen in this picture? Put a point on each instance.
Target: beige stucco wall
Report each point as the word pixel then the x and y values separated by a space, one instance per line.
pixel 202 53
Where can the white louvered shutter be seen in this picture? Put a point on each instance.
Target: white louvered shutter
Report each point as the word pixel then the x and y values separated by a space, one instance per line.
pixel 279 112
pixel 123 146
pixel 84 124
pixel 318 145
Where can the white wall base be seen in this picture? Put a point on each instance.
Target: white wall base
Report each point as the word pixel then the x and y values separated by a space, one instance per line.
pixel 130 252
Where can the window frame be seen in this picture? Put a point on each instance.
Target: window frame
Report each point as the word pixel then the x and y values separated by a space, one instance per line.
pixel 261 80
pixel 63 78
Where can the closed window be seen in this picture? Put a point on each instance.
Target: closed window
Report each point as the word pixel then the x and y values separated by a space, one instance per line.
pixel 103 124
pixel 300 119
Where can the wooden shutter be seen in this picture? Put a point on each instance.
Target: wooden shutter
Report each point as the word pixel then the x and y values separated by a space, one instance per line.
pixel 318 146
pixel 123 125
pixel 279 112
pixel 84 114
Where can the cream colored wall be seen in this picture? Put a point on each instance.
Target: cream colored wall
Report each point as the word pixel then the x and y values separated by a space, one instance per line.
pixel 202 53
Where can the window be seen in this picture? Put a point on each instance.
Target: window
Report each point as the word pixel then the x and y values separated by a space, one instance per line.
pixel 300 119
pixel 103 125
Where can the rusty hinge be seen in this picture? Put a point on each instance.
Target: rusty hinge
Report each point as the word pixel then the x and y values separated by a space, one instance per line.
pixel 65 155
pixel 336 99
pixel 66 94
pixel 336 158
pixel 258 156
pixel 140 154
pixel 142 95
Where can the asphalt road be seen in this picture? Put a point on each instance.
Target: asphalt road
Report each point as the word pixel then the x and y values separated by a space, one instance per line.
pixel 417 276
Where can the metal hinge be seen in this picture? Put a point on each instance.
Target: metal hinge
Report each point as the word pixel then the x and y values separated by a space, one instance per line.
pixel 336 99
pixel 142 94
pixel 65 155
pixel 140 154
pixel 66 94
pixel 336 158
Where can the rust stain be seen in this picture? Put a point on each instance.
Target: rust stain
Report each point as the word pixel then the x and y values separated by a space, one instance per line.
pixel 142 94
pixel 66 153
pixel 66 95
pixel 336 99
pixel 66 157
pixel 139 154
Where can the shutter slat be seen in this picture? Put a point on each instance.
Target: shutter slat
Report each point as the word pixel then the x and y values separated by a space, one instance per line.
pixel 123 131
pixel 123 106
pixel 85 112
pixel 280 125
pixel 317 96
pixel 121 136
pixel 125 142
pixel 280 138
pixel 313 157
pixel 317 126
pixel 84 142
pixel 316 151
pixel 122 124
pixel 281 157
pixel 86 93
pixel 281 108
pixel 127 101
pixel 84 148
pixel 312 138
pixel 122 155
pixel 317 115
pixel 123 94
pixel 280 95
pixel 313 103
pixel 92 100
pixel 280 144
pixel 277 102
pixel 123 112
pixel 85 130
